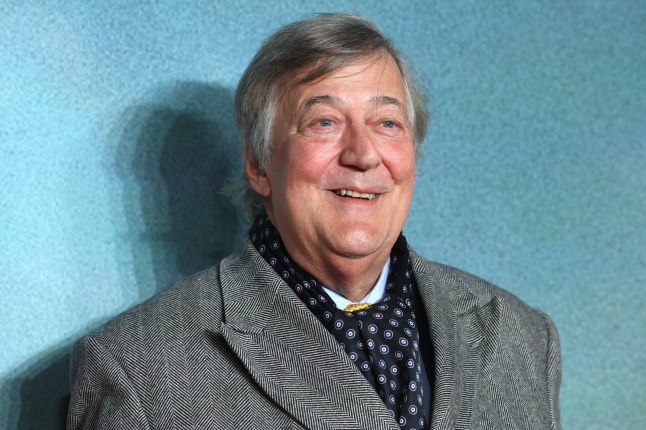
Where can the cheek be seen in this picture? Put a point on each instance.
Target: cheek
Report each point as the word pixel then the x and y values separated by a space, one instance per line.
pixel 401 164
pixel 310 164
pixel 291 165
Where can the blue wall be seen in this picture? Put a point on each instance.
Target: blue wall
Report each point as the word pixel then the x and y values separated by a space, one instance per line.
pixel 116 133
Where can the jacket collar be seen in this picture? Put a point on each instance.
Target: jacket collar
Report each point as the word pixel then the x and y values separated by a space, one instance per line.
pixel 299 364
pixel 289 353
pixel 461 323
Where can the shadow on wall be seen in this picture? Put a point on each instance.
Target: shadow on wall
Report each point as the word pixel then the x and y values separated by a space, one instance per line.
pixel 173 156
pixel 176 153
pixel 38 393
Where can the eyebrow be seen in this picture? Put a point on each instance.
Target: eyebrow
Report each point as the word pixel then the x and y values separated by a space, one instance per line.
pixel 387 100
pixel 315 100
pixel 331 100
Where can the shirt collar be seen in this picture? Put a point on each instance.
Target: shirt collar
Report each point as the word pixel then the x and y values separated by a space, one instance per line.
pixel 375 295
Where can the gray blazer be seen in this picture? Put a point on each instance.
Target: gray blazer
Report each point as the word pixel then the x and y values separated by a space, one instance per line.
pixel 234 348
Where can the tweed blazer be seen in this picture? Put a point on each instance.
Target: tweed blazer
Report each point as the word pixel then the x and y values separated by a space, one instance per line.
pixel 234 348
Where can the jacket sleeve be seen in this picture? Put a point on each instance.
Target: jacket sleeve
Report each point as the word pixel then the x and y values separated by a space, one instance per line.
pixel 553 373
pixel 103 396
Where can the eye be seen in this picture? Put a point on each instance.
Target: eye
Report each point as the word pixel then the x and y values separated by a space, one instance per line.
pixel 393 127
pixel 325 122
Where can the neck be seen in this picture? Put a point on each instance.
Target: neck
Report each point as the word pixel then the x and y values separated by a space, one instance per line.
pixel 353 278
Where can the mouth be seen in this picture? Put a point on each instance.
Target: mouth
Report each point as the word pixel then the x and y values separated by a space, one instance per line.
pixel 354 194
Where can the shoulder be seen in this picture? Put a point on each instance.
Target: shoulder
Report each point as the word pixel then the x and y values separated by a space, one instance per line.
pixel 516 337
pixel 192 305
pixel 149 363
pixel 177 329
pixel 458 284
pixel 463 292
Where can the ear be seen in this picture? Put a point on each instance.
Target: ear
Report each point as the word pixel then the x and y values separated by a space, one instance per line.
pixel 257 177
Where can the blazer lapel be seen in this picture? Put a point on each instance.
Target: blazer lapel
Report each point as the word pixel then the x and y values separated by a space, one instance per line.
pixel 290 355
pixel 459 324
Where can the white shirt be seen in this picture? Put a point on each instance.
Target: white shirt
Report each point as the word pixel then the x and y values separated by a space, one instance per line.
pixel 375 295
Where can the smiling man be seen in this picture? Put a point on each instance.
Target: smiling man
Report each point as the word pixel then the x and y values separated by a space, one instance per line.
pixel 325 319
pixel 340 179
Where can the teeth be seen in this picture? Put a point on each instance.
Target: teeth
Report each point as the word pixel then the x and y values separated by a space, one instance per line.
pixel 350 193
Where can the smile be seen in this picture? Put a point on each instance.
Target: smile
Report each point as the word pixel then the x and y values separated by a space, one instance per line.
pixel 355 194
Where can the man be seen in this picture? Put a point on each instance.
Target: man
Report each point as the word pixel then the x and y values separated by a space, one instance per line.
pixel 325 319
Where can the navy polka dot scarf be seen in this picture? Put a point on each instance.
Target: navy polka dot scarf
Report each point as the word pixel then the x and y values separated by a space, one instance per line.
pixel 381 339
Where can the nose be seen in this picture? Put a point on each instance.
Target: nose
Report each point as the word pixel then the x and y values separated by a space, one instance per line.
pixel 359 149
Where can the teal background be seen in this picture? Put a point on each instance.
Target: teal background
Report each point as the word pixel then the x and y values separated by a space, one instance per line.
pixel 116 134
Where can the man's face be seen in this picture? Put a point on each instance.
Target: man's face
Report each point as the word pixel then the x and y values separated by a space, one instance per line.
pixel 340 178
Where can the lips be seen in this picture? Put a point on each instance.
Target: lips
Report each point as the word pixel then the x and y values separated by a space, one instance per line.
pixel 355 194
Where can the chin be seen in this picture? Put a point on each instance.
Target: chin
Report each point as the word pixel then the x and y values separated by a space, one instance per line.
pixel 359 244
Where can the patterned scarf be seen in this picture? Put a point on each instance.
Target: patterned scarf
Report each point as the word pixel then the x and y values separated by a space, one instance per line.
pixel 382 339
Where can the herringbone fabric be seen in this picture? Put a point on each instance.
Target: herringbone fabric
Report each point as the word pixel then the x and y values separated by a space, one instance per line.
pixel 381 339
pixel 234 348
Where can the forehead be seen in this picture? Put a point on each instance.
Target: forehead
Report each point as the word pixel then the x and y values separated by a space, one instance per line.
pixel 371 76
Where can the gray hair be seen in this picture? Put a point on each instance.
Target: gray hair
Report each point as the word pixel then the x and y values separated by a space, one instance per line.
pixel 318 45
